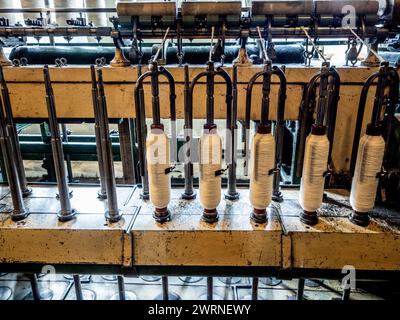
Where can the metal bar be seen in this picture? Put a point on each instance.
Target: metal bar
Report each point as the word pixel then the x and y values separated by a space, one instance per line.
pixel 141 130
pixel 232 194
pixel 210 289
pixel 66 212
pixel 300 289
pixel 121 288
pixel 112 213
pixel 189 192
pixel 102 193
pixel 165 291
pixel 279 132
pixel 254 289
pixel 19 210
pixel 78 287
pixel 210 93
pixel 12 132
pixel 34 286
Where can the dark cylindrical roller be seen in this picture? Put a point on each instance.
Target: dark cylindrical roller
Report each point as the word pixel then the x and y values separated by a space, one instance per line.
pixel 192 54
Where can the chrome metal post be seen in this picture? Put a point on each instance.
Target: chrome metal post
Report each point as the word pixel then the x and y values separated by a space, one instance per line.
pixel 112 213
pixel 19 210
pixel 12 132
pixel 66 212
pixel 102 193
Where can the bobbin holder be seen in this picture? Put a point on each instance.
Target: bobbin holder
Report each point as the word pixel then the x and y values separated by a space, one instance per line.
pixel 210 75
pixel 112 213
pixel 19 210
pixel 141 130
pixel 265 124
pixel 16 155
pixel 385 100
pixel 326 103
pixel 66 211
pixel 102 193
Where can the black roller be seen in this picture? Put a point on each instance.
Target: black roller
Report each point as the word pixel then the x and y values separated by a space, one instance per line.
pixel 193 54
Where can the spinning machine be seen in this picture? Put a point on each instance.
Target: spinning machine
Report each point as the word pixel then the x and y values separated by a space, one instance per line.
pixel 243 138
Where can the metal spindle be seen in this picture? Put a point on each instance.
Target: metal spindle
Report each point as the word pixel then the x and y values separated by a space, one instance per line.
pixel 66 212
pixel 102 193
pixel 112 213
pixel 13 134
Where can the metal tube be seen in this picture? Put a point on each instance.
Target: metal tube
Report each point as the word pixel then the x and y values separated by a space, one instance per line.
pixel 141 131
pixel 102 193
pixel 210 289
pixel 266 90
pixel 19 210
pixel 66 212
pixel 300 289
pixel 189 192
pixel 112 213
pixel 165 292
pixel 210 93
pixel 279 132
pixel 155 94
pixel 78 287
pixel 232 194
pixel 359 121
pixel 121 288
pixel 254 289
pixel 34 286
pixel 12 132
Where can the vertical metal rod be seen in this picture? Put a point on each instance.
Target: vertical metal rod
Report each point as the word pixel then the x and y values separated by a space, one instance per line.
pixel 210 93
pixel 67 157
pixel 19 210
pixel 142 128
pixel 254 289
pixel 210 289
pixel 188 128
pixel 121 288
pixel 34 286
pixel 102 193
pixel 279 133
pixel 78 287
pixel 13 134
pixel 165 290
pixel 232 194
pixel 155 91
pixel 112 213
pixel 266 89
pixel 66 211
pixel 300 289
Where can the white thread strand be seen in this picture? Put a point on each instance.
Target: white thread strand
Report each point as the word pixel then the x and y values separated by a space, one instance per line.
pixel 368 165
pixel 314 167
pixel 210 162
pixel 262 160
pixel 158 160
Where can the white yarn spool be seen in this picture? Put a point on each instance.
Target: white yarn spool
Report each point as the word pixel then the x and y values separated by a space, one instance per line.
pixel 158 160
pixel 314 167
pixel 262 160
pixel 365 182
pixel 210 162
